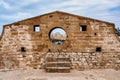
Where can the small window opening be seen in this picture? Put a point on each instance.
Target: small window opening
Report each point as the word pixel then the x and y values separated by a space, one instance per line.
pixel 36 28
pixel 83 28
pixel 49 50
pixel 98 49
pixel 50 16
pixel 23 49
pixel 95 34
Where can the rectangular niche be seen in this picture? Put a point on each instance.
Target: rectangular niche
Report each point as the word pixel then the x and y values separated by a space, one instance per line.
pixel 36 28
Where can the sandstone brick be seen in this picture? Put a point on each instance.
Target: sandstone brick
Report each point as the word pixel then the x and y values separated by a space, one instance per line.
pixel 80 46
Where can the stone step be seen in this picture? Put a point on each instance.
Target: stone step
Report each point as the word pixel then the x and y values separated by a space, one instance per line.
pixel 57 67
pixel 58 70
pixel 59 62
pixel 57 59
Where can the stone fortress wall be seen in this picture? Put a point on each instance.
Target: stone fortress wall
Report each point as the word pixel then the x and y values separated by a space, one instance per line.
pixel 96 47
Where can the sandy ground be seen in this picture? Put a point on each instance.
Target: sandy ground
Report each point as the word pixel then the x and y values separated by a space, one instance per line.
pixel 99 74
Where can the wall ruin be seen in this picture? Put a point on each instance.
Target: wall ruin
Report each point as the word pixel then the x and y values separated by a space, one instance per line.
pixel 79 45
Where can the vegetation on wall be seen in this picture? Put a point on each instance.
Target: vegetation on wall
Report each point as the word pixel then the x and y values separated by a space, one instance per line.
pixel 117 30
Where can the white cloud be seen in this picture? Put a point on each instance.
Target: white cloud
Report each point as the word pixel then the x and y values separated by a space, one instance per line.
pixel 18 16
pixel 22 3
pixel 5 4
pixel 86 4
pixel 13 5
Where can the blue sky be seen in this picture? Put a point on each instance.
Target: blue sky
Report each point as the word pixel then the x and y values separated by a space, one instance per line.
pixel 15 10
pixel 58 30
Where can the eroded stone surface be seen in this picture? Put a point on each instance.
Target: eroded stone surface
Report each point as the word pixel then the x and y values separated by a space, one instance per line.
pixel 79 45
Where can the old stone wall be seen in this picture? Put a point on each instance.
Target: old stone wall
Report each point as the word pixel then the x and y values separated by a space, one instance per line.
pixel 83 61
pixel 79 61
pixel 79 45
pixel 11 56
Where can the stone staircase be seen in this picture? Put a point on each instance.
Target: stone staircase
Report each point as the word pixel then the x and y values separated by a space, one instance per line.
pixel 57 62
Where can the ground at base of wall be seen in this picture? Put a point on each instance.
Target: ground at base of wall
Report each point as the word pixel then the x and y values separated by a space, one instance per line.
pixel 98 74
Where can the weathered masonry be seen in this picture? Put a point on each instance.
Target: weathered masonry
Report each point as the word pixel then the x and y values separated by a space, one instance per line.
pixel 78 43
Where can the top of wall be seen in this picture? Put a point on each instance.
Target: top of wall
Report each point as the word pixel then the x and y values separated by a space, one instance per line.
pixel 62 13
